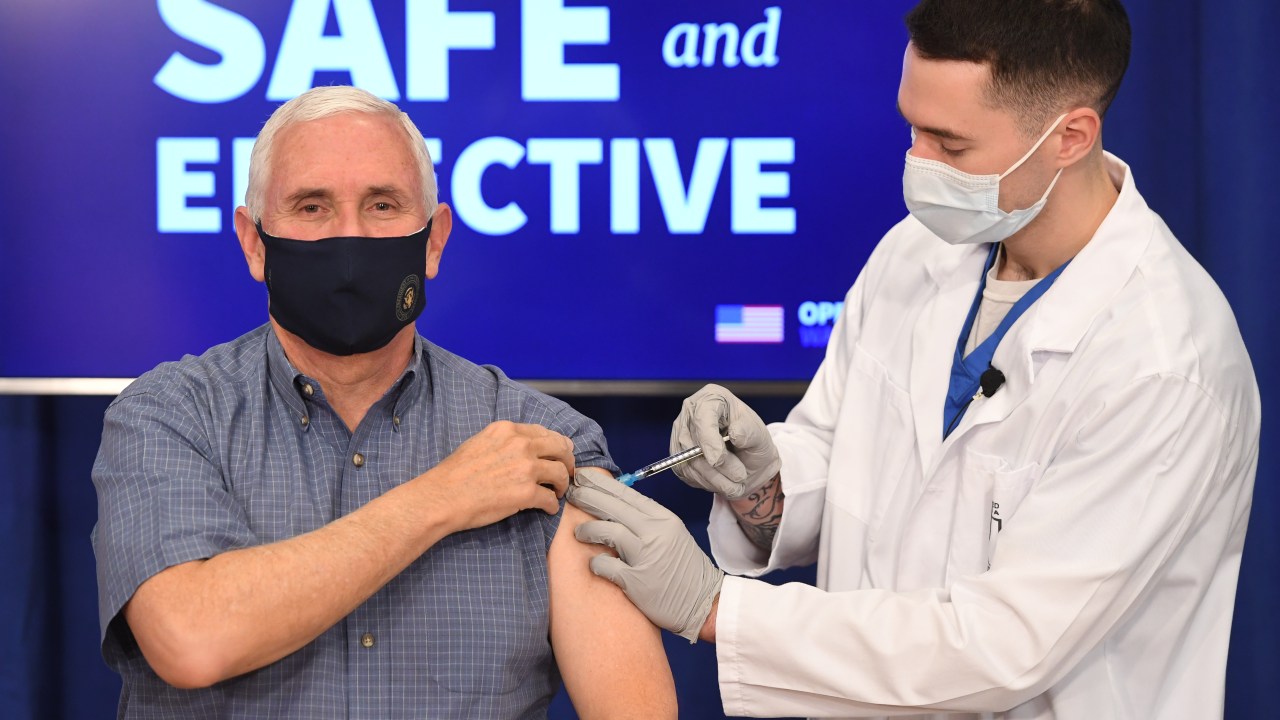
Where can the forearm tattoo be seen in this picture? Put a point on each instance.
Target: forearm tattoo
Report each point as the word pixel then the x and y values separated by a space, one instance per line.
pixel 760 512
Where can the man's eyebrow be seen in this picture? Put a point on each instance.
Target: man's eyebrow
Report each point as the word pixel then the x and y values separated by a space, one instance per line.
pixel 391 190
pixel 305 193
pixel 939 132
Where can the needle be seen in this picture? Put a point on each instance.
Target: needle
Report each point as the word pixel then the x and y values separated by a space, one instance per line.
pixel 667 463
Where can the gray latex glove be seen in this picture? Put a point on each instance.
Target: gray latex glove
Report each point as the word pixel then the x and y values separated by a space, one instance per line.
pixel 736 471
pixel 659 566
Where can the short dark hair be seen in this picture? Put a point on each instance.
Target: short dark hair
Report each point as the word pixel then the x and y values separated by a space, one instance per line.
pixel 1045 55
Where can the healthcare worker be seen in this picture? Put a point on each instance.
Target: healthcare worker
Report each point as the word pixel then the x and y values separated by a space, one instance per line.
pixel 1024 467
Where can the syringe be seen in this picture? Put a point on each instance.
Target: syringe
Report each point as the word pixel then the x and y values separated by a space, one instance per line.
pixel 683 456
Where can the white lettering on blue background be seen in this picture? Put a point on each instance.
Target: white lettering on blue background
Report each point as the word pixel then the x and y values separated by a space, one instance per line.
pixel 817 320
pixel 432 31
pixel 344 36
pixel 176 183
pixel 468 172
pixel 624 186
pixel 819 313
pixel 228 34
pixel 544 75
pixel 685 210
pixel 356 49
pixel 566 158
pixel 688 45
pixel 751 184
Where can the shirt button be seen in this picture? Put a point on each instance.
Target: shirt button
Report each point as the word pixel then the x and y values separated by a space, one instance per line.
pixel 305 421
pixel 358 461
pixel 308 390
pixel 366 640
pixel 396 419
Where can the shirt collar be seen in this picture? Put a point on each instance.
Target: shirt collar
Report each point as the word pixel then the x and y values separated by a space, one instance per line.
pixel 284 376
pixel 297 387
pixel 414 382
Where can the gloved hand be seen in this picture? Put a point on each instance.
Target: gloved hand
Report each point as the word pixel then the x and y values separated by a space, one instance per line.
pixel 659 566
pixel 735 471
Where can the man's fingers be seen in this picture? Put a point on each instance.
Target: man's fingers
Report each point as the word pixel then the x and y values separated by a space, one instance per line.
pixel 617 536
pixel 547 500
pixel 732 469
pixel 551 445
pixel 554 446
pixel 546 444
pixel 533 430
pixel 707 420
pixel 681 434
pixel 608 499
pixel 544 433
pixel 597 502
pixel 699 470
pixel 550 474
pixel 612 569
pixel 591 475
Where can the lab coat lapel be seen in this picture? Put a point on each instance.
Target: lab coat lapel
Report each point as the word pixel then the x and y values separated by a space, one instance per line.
pixel 1100 271
pixel 1058 320
pixel 955 273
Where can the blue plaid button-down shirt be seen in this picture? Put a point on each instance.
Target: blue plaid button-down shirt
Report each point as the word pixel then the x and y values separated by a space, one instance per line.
pixel 236 448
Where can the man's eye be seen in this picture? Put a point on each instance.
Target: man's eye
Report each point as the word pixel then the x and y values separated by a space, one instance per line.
pixel 949 152
pixel 382 206
pixel 311 209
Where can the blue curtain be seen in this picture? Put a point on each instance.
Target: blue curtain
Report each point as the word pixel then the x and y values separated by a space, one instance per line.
pixel 1195 119
pixel 1199 138
pixel 50 666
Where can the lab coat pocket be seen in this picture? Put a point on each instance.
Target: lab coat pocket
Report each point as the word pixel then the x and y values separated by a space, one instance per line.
pixel 879 444
pixel 988 498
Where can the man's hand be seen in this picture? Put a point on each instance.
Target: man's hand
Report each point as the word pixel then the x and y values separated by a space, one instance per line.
pixel 659 566
pixel 736 471
pixel 503 469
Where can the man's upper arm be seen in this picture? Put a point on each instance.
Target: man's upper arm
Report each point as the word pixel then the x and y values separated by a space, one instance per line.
pixel 161 500
pixel 610 655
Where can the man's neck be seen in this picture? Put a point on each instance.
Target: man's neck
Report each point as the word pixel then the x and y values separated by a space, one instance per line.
pixel 1076 208
pixel 352 383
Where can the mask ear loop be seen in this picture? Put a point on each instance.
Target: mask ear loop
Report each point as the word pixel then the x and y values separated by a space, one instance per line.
pixel 1055 182
pixel 1034 148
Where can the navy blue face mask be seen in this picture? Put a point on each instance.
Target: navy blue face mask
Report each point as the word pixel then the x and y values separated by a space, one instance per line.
pixel 346 295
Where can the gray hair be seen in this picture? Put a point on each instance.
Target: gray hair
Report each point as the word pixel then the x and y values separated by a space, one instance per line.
pixel 322 102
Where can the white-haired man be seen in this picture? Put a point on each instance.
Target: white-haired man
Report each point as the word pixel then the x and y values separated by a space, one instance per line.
pixel 332 517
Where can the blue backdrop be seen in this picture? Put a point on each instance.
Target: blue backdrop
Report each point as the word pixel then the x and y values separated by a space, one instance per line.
pixel 655 168
pixel 1198 136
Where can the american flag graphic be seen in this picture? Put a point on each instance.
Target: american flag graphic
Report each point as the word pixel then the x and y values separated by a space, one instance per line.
pixel 748 323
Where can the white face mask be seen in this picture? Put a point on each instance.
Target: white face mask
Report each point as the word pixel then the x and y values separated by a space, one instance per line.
pixel 965 209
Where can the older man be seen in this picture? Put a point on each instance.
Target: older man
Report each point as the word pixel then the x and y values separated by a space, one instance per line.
pixel 332 517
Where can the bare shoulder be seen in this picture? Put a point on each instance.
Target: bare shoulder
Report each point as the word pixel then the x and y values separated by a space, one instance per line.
pixel 610 655
pixel 569 557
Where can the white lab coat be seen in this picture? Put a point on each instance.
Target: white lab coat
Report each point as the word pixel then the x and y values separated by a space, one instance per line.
pixel 1118 457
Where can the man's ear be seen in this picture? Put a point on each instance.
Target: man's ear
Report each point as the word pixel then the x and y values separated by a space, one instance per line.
pixel 251 243
pixel 441 226
pixel 1081 131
